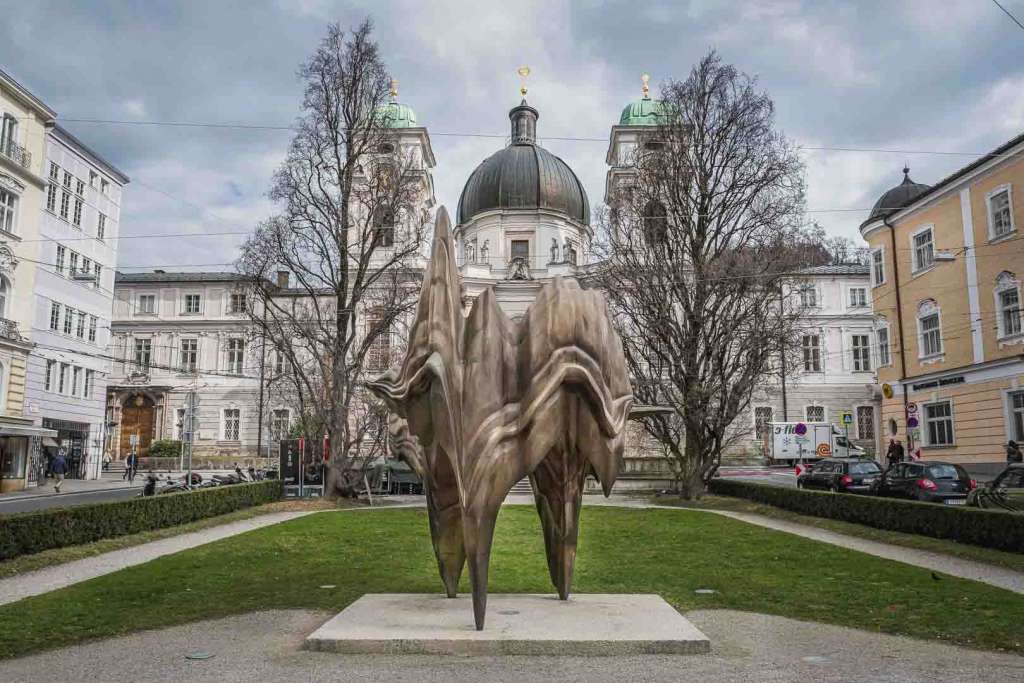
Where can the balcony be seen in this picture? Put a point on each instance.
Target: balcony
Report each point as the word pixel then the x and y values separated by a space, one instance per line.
pixel 16 153
pixel 9 330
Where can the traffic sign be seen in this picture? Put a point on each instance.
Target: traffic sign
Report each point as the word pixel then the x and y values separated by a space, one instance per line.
pixel 800 428
pixel 847 418
pixel 911 422
pixel 911 408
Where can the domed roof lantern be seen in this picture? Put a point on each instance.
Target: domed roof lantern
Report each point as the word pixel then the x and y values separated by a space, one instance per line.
pixel 394 114
pixel 897 197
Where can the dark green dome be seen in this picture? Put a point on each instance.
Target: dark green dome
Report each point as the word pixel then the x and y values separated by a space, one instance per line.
pixel 896 198
pixel 643 112
pixel 524 175
pixel 397 115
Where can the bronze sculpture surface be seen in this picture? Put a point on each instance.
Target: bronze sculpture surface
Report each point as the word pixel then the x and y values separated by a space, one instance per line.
pixel 484 402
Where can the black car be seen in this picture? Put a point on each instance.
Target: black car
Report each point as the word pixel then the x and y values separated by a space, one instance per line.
pixel 1005 492
pixel 927 481
pixel 841 475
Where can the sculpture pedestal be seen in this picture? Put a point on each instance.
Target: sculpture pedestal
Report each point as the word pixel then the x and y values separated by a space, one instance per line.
pixel 517 624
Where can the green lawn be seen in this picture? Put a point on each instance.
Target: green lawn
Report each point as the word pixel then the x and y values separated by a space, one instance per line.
pixel 999 558
pixel 668 552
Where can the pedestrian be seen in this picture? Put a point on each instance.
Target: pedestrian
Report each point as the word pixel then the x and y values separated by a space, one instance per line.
pixel 106 461
pixel 901 454
pixel 1013 452
pixel 131 465
pixel 890 453
pixel 59 467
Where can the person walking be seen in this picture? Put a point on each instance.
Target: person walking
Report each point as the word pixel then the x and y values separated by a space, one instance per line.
pixel 59 467
pixel 1013 452
pixel 901 453
pixel 890 453
pixel 131 465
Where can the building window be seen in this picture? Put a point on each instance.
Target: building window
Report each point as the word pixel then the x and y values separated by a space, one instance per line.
pixel 76 381
pixel 76 217
pixel 143 351
pixel 192 303
pixel 92 328
pixel 62 379
pixel 655 222
pixel 147 303
pixel 73 265
pixel 812 353
pixel 65 204
pixel 521 250
pixel 60 259
pixel 101 227
pixel 69 320
pixel 938 424
pixel 861 346
pixel 923 248
pixel 90 376
pixel 279 362
pixel 55 316
pixel 815 413
pixel 280 423
pixel 238 303
pixel 8 208
pixel 97 273
pixel 189 354
pixel 93 177
pixel 808 296
pixel 884 354
pixel 232 420
pixel 1000 213
pixel 86 266
pixel 80 325
pixel 865 423
pixel 858 297
pixel 1008 310
pixel 1016 401
pixel 236 356
pixel 104 186
pixel 762 422
pixel 51 190
pixel 51 365
pixel 878 267
pixel 384 227
pixel 930 328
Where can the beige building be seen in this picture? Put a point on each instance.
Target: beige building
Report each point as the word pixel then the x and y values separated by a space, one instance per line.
pixel 25 122
pixel 947 261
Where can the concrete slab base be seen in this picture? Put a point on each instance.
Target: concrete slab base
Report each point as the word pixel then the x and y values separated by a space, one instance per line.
pixel 517 624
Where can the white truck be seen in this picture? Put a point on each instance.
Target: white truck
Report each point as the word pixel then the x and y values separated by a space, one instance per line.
pixel 819 440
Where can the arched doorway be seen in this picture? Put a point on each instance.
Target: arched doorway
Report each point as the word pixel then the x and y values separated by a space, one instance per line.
pixel 138 417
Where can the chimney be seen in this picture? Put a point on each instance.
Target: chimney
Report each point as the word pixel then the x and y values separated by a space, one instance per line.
pixel 282 279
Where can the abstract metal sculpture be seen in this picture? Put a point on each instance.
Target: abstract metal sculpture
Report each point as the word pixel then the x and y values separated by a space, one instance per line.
pixel 485 401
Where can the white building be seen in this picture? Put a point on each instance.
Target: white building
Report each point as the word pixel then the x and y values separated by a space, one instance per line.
pixel 835 371
pixel 73 295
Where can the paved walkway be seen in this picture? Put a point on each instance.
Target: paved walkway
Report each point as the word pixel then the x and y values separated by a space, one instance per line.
pixel 49 579
pixel 265 646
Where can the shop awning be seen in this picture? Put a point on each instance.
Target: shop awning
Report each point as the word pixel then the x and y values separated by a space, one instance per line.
pixel 26 430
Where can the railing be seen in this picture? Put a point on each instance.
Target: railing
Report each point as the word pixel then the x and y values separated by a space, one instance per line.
pixel 16 153
pixel 9 330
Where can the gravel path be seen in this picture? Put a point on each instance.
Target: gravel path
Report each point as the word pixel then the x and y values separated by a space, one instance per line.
pixel 49 579
pixel 265 646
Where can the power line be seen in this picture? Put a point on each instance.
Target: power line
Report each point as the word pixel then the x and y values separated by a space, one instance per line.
pixel 1007 12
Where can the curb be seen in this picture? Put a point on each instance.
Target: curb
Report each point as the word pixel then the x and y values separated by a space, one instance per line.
pixel 65 493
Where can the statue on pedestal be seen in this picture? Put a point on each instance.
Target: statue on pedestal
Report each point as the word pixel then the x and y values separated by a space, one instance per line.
pixel 554 250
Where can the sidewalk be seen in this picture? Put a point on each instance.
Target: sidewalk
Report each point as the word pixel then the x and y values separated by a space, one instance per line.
pixel 45 488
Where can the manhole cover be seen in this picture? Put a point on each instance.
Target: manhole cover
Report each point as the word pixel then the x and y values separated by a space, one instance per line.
pixel 508 612
pixel 198 655
pixel 705 591
pixel 815 659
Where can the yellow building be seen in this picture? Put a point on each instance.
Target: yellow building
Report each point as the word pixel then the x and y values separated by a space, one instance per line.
pixel 25 121
pixel 947 262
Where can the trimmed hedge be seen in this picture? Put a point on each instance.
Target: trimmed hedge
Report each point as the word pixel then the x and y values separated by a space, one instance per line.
pixel 986 528
pixel 32 532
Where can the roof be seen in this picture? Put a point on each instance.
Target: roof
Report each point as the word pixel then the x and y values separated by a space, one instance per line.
pixel 162 277
pixel 524 175
pixel 62 133
pixel 838 269
pixel 643 112
pixel 956 175
pixel 895 198
pixel 397 115
pixel 26 95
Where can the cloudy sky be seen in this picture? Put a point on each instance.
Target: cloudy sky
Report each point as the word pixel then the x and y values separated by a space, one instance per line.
pixel 914 76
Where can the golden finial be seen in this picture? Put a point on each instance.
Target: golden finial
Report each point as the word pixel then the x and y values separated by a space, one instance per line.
pixel 647 90
pixel 394 90
pixel 523 72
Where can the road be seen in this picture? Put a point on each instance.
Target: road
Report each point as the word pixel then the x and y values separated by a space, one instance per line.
pixel 774 476
pixel 10 505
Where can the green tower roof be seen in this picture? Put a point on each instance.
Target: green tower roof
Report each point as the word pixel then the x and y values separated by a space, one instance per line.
pixel 397 115
pixel 643 112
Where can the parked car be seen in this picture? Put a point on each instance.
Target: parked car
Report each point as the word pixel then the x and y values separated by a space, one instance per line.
pixel 1005 492
pixel 927 481
pixel 841 475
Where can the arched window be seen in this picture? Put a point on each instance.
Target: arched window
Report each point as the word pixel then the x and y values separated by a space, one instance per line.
pixel 1008 308
pixel 655 222
pixel 384 227
pixel 5 294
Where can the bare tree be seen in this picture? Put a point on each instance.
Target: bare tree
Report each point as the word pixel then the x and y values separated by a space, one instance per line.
pixel 348 238
pixel 698 249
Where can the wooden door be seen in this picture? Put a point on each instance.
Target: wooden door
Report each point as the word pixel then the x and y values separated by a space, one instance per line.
pixel 138 416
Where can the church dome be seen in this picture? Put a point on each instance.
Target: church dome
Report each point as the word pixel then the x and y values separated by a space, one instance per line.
pixel 896 198
pixel 643 112
pixel 524 175
pixel 397 115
